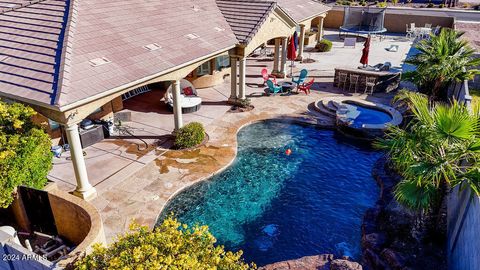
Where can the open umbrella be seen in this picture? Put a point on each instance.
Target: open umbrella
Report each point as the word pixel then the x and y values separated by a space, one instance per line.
pixel 365 51
pixel 292 50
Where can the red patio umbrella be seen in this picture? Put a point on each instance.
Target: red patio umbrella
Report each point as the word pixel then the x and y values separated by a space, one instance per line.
pixel 365 51
pixel 292 51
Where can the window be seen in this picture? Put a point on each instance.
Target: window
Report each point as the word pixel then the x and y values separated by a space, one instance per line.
pixel 222 62
pixel 204 69
pixel 53 125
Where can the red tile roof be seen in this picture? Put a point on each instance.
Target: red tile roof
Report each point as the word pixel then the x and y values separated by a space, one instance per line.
pixel 49 45
pixel 301 10
pixel 245 16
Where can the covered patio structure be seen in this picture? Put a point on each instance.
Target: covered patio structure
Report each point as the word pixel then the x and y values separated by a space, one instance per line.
pixel 69 68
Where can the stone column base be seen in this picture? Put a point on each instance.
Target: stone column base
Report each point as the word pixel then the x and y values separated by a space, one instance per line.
pixel 86 195
pixel 279 74
pixel 232 101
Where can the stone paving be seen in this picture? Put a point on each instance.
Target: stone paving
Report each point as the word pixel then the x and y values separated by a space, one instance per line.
pixel 135 183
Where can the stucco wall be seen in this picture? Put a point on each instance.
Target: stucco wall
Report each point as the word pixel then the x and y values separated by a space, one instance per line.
pixel 395 23
pixel 463 231
pixel 210 80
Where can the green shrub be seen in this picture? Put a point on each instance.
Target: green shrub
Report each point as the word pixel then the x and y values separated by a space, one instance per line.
pixel 430 5
pixel 394 2
pixel 324 45
pixel 25 156
pixel 171 245
pixel 382 4
pixel 190 135
pixel 243 103
pixel 441 6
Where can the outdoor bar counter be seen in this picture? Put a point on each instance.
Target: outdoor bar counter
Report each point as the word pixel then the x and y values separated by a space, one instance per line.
pixel 386 81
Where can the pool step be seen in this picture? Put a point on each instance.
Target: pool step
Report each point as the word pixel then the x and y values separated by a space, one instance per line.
pixel 322 107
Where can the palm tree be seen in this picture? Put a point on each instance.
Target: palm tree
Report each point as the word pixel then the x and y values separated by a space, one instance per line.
pixel 438 150
pixel 442 59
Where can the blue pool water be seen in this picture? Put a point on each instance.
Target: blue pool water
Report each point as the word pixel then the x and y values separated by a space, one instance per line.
pixel 362 115
pixel 277 207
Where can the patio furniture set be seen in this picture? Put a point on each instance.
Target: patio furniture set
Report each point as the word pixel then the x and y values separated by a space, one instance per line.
pixel 366 80
pixel 414 32
pixel 287 86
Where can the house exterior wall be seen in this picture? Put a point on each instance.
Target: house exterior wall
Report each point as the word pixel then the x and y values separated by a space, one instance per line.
pixel 395 23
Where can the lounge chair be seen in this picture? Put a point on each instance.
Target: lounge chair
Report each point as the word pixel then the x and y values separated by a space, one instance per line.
pixel 189 99
pixel 273 88
pixel 392 48
pixel 306 87
pixel 267 77
pixel 301 78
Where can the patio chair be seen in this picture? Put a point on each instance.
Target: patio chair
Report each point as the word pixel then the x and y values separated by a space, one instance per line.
pixel 267 77
pixel 301 78
pixel 410 32
pixel 370 83
pixel 273 88
pixel 306 87
pixel 353 82
pixel 342 80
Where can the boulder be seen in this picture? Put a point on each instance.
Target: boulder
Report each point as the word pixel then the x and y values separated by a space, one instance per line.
pixel 340 264
pixel 318 262
pixel 394 259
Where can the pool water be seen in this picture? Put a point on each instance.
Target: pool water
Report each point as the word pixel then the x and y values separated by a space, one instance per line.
pixel 362 115
pixel 275 206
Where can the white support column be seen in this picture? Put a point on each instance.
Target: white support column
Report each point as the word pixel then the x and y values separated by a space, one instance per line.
pixel 283 65
pixel 177 105
pixel 276 60
pixel 320 28
pixel 241 82
pixel 301 42
pixel 84 189
pixel 233 79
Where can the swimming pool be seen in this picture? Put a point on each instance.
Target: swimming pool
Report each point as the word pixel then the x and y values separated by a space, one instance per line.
pixel 275 206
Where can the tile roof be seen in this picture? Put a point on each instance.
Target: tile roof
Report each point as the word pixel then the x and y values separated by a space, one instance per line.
pixel 301 10
pixel 46 47
pixel 472 30
pixel 245 16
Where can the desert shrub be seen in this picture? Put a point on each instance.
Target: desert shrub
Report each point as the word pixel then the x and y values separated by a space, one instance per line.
pixel 441 6
pixel 243 103
pixel 171 245
pixel 190 135
pixel 394 2
pixel 382 4
pixel 430 5
pixel 324 45
pixel 25 157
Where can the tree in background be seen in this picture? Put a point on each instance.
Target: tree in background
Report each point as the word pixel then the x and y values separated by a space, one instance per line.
pixel 25 157
pixel 442 60
pixel 171 245
pixel 438 150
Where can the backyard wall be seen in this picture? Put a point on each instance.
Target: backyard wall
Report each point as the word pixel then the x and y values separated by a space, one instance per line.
pixel 463 227
pixel 395 23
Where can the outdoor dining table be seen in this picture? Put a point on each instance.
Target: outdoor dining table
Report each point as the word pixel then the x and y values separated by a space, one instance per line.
pixel 422 31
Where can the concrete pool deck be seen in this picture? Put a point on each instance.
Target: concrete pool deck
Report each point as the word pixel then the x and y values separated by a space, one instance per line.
pixel 135 184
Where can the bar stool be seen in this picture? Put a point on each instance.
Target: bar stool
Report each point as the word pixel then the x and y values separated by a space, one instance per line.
pixel 342 80
pixel 353 82
pixel 370 83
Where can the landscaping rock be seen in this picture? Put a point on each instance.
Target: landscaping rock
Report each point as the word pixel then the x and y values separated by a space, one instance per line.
pixel 373 241
pixel 339 264
pixel 394 259
pixel 318 262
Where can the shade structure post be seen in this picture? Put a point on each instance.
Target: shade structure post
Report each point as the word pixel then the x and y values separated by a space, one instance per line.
pixel 233 79
pixel 177 105
pixel 241 81
pixel 301 42
pixel 84 189
pixel 276 59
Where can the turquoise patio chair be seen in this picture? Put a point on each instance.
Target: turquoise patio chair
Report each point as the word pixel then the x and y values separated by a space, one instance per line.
pixel 272 88
pixel 301 78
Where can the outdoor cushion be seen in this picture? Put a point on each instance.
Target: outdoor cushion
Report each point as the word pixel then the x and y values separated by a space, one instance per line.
pixel 188 91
